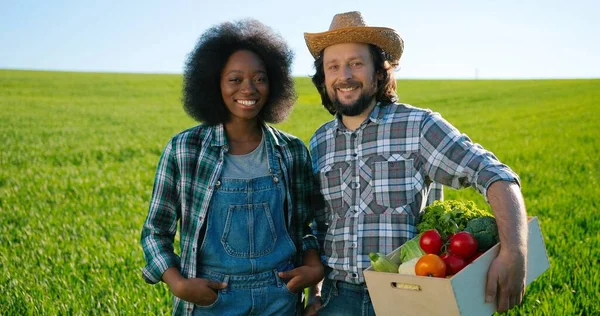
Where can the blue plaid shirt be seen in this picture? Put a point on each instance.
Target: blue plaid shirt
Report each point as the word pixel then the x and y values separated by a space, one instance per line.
pixel 374 181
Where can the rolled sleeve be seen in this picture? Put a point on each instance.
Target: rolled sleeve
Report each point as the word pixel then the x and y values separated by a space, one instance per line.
pixel 451 158
pixel 152 272
pixel 495 173
pixel 310 242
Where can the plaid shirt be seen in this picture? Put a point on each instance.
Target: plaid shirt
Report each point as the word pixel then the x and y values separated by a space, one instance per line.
pixel 185 180
pixel 373 180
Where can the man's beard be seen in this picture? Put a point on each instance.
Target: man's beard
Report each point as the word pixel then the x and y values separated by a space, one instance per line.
pixel 357 107
pixel 354 109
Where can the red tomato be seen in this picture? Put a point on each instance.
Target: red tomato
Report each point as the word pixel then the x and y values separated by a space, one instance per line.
pixel 453 263
pixel 431 242
pixel 430 265
pixel 463 244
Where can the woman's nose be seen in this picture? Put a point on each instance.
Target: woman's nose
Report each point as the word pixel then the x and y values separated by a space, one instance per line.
pixel 248 87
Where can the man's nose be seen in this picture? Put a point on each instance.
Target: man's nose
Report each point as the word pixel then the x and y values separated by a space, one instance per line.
pixel 346 73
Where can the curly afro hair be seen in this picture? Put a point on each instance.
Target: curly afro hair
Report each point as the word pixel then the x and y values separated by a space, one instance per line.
pixel 386 87
pixel 202 98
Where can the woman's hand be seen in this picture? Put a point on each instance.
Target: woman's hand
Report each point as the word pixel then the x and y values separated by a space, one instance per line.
pixel 306 275
pixel 198 291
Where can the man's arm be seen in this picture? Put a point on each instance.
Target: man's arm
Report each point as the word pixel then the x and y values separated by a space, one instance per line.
pixel 452 159
pixel 507 273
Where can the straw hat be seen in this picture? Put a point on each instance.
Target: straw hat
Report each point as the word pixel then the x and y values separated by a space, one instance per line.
pixel 350 27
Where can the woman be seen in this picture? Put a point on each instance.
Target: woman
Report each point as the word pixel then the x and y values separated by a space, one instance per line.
pixel 239 189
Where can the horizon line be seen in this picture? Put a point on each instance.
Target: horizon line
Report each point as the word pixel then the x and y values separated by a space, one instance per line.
pixel 295 76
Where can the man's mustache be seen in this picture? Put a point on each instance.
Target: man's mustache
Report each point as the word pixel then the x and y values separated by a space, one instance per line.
pixel 347 84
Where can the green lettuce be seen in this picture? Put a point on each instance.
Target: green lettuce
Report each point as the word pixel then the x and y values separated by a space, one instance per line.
pixel 411 249
pixel 449 217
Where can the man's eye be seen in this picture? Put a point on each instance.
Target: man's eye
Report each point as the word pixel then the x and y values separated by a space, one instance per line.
pixel 234 80
pixel 356 64
pixel 334 67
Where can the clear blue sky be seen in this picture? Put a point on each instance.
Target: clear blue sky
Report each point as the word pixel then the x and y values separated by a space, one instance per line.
pixel 443 39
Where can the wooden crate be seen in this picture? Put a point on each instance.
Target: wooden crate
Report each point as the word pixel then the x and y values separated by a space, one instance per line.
pixel 462 294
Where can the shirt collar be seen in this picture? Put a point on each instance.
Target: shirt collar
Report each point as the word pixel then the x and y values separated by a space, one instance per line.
pixel 269 133
pixel 218 135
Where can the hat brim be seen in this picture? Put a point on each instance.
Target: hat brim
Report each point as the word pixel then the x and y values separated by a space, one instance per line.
pixel 383 37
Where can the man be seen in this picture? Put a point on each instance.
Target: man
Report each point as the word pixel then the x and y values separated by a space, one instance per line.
pixel 376 161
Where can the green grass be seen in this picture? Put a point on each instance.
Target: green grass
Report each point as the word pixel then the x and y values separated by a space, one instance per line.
pixel 79 151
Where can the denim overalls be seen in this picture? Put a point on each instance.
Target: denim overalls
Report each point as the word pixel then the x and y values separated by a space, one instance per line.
pixel 246 244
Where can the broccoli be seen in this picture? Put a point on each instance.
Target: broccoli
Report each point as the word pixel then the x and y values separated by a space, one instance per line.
pixel 485 231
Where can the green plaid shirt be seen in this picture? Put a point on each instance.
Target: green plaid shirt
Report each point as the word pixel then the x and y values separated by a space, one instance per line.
pixel 185 180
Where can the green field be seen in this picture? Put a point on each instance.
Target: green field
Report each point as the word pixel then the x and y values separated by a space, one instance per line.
pixel 79 152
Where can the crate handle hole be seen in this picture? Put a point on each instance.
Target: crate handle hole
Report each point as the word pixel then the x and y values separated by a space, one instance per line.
pixel 406 286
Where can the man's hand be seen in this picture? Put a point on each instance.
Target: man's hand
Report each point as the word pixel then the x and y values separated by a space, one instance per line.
pixel 304 276
pixel 506 280
pixel 313 306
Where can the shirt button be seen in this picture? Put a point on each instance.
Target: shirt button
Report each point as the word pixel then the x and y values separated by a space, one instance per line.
pixel 193 249
pixel 354 155
pixel 353 245
pixel 275 179
pixel 354 185
pixel 218 184
pixel 354 275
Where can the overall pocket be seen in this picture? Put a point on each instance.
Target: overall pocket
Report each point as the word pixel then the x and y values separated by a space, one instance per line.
pixel 212 305
pixel 249 231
